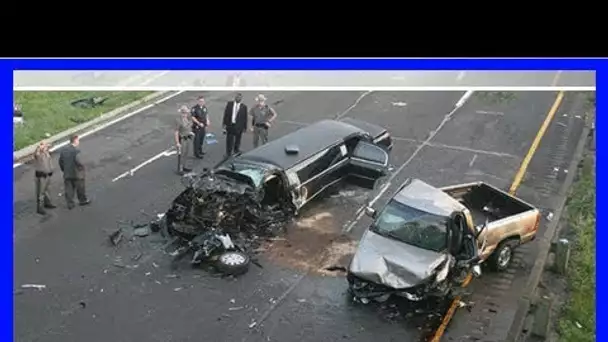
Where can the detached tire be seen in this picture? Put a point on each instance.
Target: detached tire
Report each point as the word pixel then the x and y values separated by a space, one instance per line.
pixel 233 263
pixel 503 255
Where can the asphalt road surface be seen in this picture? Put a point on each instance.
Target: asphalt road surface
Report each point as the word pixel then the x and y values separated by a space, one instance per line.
pixel 96 292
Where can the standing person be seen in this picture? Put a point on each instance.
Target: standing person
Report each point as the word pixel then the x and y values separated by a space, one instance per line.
pixel 261 117
pixel 200 122
pixel 235 122
pixel 44 170
pixel 183 133
pixel 73 170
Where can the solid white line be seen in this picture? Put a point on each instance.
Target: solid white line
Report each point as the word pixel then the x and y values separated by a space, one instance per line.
pixel 340 115
pixel 109 123
pixel 409 160
pixel 299 88
pixel 165 153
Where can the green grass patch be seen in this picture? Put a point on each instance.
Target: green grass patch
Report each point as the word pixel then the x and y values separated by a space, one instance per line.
pixel 577 323
pixel 47 113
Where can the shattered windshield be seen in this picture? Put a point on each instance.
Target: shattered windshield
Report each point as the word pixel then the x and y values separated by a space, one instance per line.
pixel 255 173
pixel 412 226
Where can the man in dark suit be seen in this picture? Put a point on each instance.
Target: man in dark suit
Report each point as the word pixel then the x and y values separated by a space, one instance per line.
pixel 235 123
pixel 73 170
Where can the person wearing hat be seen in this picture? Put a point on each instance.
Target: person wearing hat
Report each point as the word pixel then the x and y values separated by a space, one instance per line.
pixel 183 133
pixel 262 116
pixel 43 165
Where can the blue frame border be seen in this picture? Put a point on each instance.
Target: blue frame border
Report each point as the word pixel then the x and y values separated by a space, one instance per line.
pixel 6 99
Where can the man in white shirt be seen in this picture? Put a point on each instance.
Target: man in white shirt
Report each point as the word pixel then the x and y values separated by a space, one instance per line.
pixel 234 123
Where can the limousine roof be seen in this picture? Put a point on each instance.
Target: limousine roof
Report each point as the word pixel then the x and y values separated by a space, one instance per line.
pixel 309 140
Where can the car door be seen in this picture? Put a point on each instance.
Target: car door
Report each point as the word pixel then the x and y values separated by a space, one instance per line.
pixel 464 245
pixel 368 162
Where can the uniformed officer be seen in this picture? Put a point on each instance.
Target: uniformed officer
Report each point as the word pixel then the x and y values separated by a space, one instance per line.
pixel 183 133
pixel 44 170
pixel 200 122
pixel 262 116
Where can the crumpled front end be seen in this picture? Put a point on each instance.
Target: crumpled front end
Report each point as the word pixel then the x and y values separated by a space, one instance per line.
pixel 382 267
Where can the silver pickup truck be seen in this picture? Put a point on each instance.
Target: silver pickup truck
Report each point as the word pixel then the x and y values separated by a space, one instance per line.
pixel 426 240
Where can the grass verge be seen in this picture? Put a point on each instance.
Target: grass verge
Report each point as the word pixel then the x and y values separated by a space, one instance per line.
pixel 577 323
pixel 49 112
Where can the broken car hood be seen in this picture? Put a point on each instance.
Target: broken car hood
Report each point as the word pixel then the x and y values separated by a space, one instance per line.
pixel 422 196
pixel 392 263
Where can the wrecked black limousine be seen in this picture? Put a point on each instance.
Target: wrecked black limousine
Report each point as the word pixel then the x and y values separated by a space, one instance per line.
pixel 224 210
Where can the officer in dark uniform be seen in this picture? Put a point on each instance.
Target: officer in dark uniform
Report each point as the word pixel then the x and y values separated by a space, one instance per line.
pixel 200 122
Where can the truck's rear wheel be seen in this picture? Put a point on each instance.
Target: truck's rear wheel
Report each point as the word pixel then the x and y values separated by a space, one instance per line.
pixel 503 255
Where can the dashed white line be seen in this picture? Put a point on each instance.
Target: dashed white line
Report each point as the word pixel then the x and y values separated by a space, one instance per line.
pixel 446 118
pixel 473 160
pixel 340 115
pixel 489 112
pixel 131 172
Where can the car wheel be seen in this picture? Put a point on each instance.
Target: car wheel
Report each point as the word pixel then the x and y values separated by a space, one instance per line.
pixel 233 263
pixel 502 256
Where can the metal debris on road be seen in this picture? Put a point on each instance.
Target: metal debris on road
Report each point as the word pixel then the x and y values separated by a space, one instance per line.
pixel 33 286
pixel 141 230
pixel 137 256
pixel 236 308
pixel 399 104
pixel 116 237
pixel 253 324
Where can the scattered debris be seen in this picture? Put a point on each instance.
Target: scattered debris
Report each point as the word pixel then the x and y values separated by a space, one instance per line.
pixel 253 324
pixel 550 216
pixel 399 104
pixel 236 308
pixel 137 256
pixel 336 269
pixel 116 237
pixel 141 230
pixel 89 102
pixel 33 286
pixel 177 289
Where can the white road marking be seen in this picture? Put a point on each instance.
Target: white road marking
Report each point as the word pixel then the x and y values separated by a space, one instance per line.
pixel 472 160
pixel 154 78
pixel 558 74
pixel 446 118
pixel 489 112
pixel 111 122
pixel 458 148
pixel 131 172
pixel 340 115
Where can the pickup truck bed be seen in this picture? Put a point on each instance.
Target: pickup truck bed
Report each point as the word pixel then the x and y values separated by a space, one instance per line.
pixel 487 202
